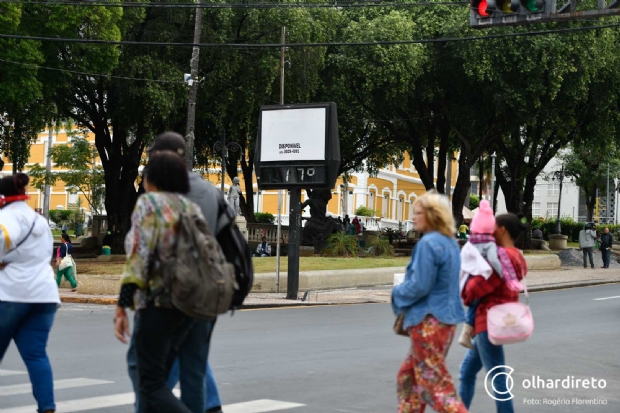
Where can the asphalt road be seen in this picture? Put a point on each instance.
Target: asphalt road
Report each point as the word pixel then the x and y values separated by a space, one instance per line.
pixel 334 359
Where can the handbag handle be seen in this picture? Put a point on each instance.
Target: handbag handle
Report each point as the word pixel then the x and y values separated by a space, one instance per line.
pixel 527 296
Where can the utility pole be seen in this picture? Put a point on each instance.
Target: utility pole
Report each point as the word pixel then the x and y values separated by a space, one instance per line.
pixel 280 194
pixel 449 177
pixel 193 89
pixel 48 170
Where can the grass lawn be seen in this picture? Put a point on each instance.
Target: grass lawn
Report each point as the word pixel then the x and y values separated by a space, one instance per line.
pixel 268 264
pixel 572 244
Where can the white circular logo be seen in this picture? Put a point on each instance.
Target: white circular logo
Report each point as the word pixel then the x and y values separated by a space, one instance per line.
pixel 493 374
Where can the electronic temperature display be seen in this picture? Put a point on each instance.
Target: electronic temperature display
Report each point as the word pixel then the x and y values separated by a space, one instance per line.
pixel 297 147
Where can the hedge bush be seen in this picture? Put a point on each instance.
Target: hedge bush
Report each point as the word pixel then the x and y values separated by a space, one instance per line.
pixel 570 228
pixel 264 217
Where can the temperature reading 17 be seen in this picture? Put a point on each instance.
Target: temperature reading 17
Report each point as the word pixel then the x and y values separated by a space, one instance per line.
pixel 302 174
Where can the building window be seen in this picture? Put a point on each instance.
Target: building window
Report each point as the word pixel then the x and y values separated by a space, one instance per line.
pixel 535 209
pixel 537 190
pixel 411 202
pixel 474 188
pixel 552 209
pixel 371 200
pixel 553 189
pixel 73 198
pixel 384 209
pixel 400 209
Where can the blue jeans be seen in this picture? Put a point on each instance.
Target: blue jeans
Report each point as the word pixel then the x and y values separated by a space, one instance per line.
pixel 193 352
pixel 29 326
pixel 470 318
pixel 212 395
pixel 488 355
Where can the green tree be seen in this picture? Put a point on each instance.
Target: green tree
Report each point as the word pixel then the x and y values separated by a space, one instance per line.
pixel 586 164
pixel 474 201
pixel 82 172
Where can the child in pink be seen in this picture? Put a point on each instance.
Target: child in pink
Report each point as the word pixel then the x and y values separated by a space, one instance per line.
pixel 481 256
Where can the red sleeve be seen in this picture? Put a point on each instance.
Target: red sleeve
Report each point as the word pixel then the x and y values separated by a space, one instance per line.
pixel 477 287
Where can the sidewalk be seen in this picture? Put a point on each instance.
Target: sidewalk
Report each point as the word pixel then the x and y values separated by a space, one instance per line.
pixel 536 280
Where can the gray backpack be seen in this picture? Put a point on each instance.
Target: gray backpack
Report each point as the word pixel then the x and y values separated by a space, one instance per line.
pixel 196 274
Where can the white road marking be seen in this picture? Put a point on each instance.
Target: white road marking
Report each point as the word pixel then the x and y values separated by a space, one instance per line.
pixel 606 298
pixel 260 406
pixel 58 385
pixel 93 403
pixel 11 373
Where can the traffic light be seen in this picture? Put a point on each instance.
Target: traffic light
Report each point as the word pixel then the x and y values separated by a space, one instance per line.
pixel 488 13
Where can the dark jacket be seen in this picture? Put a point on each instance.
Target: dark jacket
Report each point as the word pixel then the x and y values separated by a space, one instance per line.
pixel 64 248
pixel 607 241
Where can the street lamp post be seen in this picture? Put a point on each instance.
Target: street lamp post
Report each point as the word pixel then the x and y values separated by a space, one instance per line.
pixel 223 147
pixel 559 175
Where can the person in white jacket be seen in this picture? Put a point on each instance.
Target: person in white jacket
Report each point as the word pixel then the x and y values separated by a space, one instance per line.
pixel 28 293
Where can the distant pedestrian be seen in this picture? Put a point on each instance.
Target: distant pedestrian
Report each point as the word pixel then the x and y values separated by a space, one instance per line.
pixel 346 222
pixel 28 296
pixel 491 292
pixel 429 299
pixel 607 241
pixel 463 229
pixel 587 237
pixel 537 233
pixel 263 249
pixel 283 248
pixel 356 225
pixel 65 265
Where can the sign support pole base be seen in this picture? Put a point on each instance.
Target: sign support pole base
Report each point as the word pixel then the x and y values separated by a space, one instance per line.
pixel 294 239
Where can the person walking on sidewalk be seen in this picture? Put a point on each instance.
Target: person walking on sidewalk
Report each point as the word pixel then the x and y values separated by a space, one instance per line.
pixel 65 265
pixel 198 388
pixel 162 327
pixel 607 241
pixel 28 296
pixel 429 299
pixel 587 236
pixel 491 292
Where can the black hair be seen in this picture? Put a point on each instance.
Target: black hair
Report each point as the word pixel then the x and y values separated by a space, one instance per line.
pixel 14 184
pixel 167 172
pixel 66 237
pixel 514 224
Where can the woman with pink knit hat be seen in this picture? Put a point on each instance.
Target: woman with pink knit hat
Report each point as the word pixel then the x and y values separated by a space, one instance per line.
pixel 481 256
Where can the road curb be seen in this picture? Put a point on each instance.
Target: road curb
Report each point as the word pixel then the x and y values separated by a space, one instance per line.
pixel 113 301
pixel 572 285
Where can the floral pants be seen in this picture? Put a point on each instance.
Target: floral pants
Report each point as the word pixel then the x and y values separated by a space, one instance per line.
pixel 423 377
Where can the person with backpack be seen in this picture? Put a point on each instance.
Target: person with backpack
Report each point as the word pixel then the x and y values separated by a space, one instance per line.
pixel 198 393
pixel 28 295
pixel 153 235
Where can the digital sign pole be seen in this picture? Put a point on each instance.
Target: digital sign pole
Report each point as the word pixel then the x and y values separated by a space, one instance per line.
pixel 297 148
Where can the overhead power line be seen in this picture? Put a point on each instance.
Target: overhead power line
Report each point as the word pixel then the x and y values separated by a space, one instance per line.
pixel 318 44
pixel 237 5
pixel 88 74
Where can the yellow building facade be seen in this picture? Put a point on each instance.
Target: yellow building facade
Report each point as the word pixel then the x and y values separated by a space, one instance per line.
pixel 391 193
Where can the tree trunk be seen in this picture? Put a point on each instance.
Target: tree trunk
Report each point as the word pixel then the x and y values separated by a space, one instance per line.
pixel 590 203
pixel 461 189
pixel 247 202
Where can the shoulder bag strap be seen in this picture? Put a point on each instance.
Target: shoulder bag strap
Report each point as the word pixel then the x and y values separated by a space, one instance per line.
pixel 34 221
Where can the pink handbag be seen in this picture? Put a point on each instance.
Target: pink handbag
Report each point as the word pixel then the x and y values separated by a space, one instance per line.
pixel 511 322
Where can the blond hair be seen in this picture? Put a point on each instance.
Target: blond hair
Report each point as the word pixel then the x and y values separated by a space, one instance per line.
pixel 438 213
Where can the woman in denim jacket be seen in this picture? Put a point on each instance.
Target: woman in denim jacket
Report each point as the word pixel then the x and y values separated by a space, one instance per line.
pixel 430 299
